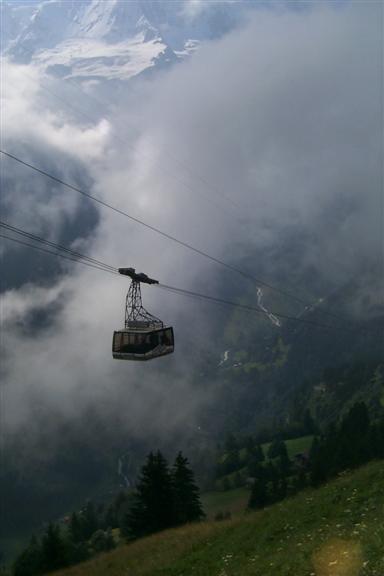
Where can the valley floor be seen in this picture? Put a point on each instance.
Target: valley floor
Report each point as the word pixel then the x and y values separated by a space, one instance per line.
pixel 337 530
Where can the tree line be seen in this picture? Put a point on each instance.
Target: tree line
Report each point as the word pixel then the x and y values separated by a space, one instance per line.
pixel 164 497
pixel 352 443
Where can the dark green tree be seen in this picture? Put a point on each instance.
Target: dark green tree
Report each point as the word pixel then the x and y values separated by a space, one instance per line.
pixel 186 499
pixel 255 460
pixel 102 541
pixel 276 449
pixel 116 511
pixel 231 463
pixel 260 453
pixel 226 484
pixel 152 509
pixel 231 444
pixel 256 469
pixel 282 488
pixel 77 551
pixel 75 528
pixel 250 445
pixel 30 561
pixel 284 462
pixel 258 497
pixel 353 438
pixel 356 422
pixel 319 462
pixel 54 549
pixel 89 521
pixel 299 481
pixel 238 480
pixel 308 423
pixel 376 440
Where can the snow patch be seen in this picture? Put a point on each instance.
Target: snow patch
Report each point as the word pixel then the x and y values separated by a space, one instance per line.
pixel 95 58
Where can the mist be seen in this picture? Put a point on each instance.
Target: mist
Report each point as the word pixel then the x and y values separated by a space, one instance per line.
pixel 273 131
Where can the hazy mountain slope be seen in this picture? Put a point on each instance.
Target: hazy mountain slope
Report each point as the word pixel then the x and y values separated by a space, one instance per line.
pixel 267 374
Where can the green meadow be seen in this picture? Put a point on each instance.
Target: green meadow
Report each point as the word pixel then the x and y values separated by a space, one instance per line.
pixel 336 530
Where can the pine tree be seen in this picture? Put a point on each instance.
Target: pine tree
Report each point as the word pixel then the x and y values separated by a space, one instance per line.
pixel 276 448
pixel 319 462
pixel 260 453
pixel 77 547
pixel 186 499
pixel 258 497
pixel 152 509
pixel 54 550
pixel 354 437
pixel 75 528
pixel 231 444
pixel 30 561
pixel 89 520
pixel 284 462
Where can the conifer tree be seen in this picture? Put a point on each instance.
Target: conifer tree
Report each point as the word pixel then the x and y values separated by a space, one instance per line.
pixel 30 561
pixel 231 444
pixel 260 453
pixel 354 438
pixel 274 449
pixel 152 509
pixel 320 459
pixel 89 520
pixel 75 529
pixel 186 499
pixel 284 462
pixel 258 497
pixel 54 552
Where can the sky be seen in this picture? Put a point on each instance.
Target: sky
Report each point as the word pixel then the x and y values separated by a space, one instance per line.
pixel 272 133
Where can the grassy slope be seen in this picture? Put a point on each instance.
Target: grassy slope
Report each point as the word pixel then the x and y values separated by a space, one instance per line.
pixel 337 530
pixel 294 446
pixel 233 501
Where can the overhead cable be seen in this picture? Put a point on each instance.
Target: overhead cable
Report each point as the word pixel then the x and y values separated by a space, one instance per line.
pixel 75 254
pixel 87 261
pixel 72 258
pixel 239 271
pixel 198 295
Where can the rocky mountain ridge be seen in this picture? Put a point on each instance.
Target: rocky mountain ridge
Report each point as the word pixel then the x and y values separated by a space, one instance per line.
pixel 93 39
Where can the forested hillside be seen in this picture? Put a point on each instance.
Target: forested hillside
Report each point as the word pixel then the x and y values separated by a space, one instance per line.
pixel 335 530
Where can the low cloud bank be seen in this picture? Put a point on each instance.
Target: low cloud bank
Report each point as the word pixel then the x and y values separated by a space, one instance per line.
pixel 270 132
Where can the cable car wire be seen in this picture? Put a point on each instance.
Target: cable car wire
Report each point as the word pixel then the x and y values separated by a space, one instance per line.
pixel 90 262
pixel 31 236
pixel 73 259
pixel 239 271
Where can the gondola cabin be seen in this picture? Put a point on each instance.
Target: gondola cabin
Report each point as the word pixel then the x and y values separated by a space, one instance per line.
pixel 142 343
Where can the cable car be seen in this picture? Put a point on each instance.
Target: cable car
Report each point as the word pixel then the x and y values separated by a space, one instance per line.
pixel 144 336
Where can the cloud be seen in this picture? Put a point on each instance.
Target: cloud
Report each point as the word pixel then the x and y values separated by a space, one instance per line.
pixel 269 134
pixel 27 118
pixel 37 126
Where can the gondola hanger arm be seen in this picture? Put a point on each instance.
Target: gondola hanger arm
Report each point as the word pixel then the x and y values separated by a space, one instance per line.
pixel 137 277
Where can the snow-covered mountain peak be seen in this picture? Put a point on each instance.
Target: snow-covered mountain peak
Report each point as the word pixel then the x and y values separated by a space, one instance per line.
pixel 104 40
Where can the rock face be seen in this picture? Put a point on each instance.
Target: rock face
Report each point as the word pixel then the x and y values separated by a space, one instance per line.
pixel 94 39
